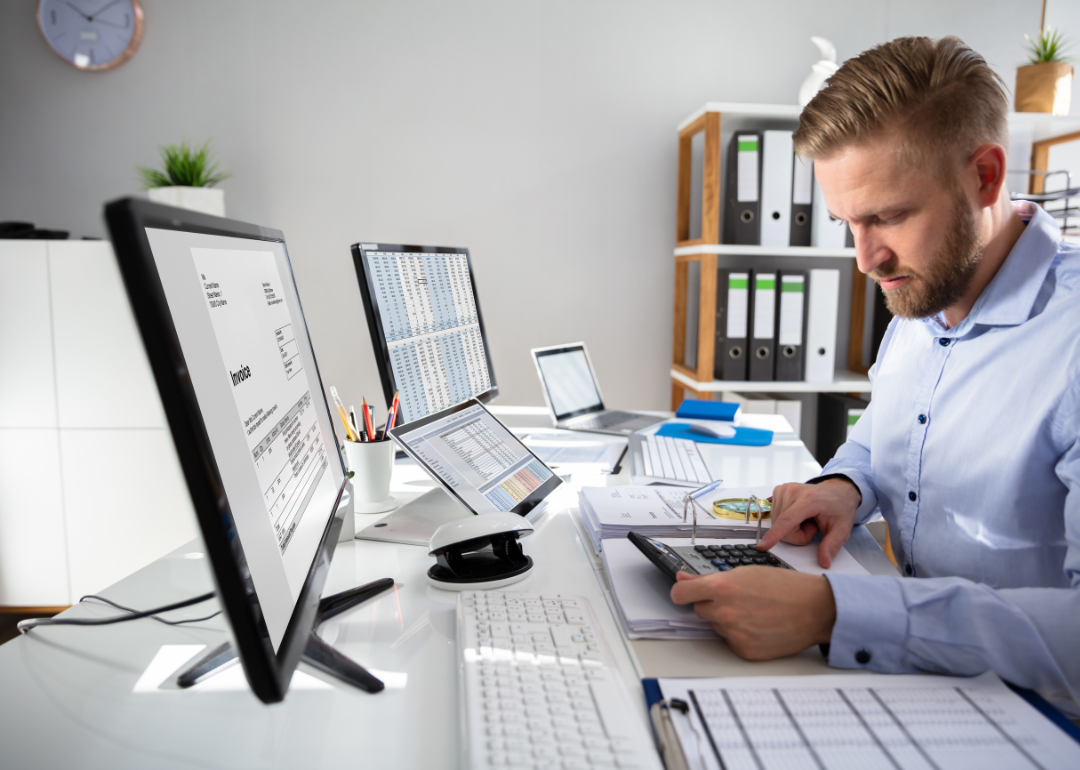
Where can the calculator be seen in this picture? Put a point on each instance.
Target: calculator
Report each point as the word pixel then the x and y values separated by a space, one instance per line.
pixel 702 559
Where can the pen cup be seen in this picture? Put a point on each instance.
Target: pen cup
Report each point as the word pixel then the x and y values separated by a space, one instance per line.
pixel 371 463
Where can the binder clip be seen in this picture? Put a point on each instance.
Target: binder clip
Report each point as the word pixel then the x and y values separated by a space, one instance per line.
pixel 690 500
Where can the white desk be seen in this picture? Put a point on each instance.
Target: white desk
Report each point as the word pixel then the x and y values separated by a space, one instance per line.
pixel 72 696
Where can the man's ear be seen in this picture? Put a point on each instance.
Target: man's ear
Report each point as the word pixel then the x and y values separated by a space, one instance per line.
pixel 989 162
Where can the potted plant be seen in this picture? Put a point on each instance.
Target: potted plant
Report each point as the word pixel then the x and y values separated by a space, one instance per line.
pixel 187 179
pixel 1045 85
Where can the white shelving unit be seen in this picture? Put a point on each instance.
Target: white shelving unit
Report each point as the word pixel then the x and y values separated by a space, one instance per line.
pixel 843 382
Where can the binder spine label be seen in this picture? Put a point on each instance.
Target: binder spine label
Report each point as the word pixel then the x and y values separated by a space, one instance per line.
pixel 792 296
pixel 764 305
pixel 748 168
pixel 802 189
pixel 738 304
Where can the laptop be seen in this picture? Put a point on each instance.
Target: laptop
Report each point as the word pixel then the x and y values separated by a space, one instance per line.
pixel 573 395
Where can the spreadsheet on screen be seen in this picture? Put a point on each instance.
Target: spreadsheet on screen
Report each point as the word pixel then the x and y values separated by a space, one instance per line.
pixel 432 328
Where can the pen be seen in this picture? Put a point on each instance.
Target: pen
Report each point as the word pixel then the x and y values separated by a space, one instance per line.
pixel 352 418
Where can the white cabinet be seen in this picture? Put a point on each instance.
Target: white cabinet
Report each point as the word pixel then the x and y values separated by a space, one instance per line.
pixel 90 485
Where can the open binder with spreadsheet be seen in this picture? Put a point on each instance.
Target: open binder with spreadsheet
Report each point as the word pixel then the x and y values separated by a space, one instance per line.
pixel 425 324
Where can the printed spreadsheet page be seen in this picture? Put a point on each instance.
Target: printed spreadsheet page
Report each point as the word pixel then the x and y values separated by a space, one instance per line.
pixel 834 722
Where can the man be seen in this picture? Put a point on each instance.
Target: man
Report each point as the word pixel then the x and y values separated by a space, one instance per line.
pixel 970 448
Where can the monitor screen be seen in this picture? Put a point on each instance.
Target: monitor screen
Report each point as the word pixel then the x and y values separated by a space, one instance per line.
pixel 425 324
pixel 569 381
pixel 478 460
pixel 238 321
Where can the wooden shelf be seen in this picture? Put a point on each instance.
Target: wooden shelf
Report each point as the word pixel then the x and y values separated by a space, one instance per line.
pixel 843 382
pixel 763 251
pixel 782 111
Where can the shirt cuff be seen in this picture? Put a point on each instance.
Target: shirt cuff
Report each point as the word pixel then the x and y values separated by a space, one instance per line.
pixel 871 623
pixel 869 498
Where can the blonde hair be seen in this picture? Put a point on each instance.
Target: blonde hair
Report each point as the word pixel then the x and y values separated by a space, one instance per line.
pixel 940 96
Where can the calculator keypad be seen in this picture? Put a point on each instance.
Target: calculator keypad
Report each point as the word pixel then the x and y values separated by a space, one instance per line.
pixel 721 558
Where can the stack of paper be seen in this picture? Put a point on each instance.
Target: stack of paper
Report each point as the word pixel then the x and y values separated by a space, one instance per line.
pixel 576 449
pixel 643 593
pixel 612 512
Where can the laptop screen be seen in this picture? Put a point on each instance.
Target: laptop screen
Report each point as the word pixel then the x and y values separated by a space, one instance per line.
pixel 237 316
pixel 569 381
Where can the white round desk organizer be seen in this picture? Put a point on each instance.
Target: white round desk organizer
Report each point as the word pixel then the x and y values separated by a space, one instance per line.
pixel 479 552
pixel 371 463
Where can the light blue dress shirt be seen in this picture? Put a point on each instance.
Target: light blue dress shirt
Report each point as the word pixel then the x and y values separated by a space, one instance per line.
pixel 970 449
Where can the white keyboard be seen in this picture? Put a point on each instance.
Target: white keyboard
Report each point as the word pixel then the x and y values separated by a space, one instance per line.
pixel 539 687
pixel 666 460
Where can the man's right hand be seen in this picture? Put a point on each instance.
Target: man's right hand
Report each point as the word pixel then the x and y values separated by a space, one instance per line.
pixel 800 511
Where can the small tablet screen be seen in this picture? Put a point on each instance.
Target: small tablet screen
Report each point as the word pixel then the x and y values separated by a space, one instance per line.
pixel 478 459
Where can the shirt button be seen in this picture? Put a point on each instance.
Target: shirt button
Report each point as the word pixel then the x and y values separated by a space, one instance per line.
pixel 908 569
pixel 944 342
pixel 922 419
pixel 911 496
pixel 862 657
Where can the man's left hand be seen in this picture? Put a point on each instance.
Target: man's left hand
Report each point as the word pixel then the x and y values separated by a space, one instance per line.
pixel 762 612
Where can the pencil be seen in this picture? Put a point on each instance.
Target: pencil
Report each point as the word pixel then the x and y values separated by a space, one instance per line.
pixel 341 413
pixel 367 420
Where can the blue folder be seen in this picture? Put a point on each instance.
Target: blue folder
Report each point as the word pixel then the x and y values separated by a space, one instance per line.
pixel 742 437
pixel 691 409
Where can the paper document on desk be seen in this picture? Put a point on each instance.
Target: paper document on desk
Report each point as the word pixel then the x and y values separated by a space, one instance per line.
pixel 557 449
pixel 836 721
pixel 611 512
pixel 643 593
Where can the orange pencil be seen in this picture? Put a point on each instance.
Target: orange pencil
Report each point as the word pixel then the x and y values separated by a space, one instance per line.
pixel 367 421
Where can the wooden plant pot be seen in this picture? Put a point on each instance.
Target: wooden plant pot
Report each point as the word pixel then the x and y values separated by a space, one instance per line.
pixel 1044 87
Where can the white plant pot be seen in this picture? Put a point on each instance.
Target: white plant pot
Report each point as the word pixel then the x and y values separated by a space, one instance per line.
pixel 207 200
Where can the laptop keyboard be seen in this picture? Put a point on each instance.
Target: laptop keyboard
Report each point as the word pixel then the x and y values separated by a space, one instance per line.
pixel 605 420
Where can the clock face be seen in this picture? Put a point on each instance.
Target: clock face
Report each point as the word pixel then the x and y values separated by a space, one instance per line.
pixel 91 34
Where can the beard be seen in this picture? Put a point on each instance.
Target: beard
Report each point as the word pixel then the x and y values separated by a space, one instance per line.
pixel 950 273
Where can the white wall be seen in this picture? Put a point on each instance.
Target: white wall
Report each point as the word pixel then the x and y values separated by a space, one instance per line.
pixel 539 133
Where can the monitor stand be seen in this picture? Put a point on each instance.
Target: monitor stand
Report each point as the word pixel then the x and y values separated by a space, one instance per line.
pixel 318 653
pixel 415 522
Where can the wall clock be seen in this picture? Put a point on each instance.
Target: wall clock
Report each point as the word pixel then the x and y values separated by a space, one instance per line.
pixel 91 35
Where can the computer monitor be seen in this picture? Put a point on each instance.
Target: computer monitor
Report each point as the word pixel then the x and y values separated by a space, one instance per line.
pixel 478 460
pixel 222 324
pixel 425 323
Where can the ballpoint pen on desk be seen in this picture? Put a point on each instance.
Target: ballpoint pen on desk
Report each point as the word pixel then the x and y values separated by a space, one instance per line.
pixel 352 419
pixel 341 413
pixel 691 500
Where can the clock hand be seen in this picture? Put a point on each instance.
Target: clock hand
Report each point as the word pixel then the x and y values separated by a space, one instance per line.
pixel 72 7
pixel 109 23
pixel 102 8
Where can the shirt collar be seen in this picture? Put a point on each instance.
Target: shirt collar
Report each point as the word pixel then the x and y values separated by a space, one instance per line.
pixel 1009 297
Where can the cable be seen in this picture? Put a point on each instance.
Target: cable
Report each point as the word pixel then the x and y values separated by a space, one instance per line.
pixel 26 625
pixel 154 617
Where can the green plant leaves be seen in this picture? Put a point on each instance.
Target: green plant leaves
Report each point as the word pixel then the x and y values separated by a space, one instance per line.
pixel 184 166
pixel 1049 47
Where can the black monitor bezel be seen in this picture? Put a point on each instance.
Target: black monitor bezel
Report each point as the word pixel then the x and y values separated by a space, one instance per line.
pixel 268 672
pixel 374 318
pixel 555 350
pixel 523 508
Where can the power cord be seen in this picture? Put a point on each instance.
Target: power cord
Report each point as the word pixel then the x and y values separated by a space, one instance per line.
pixel 26 625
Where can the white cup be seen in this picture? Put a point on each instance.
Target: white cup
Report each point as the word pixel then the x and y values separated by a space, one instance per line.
pixel 371 462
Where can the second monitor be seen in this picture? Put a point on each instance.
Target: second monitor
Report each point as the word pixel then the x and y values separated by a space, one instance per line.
pixel 425 324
